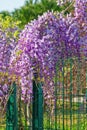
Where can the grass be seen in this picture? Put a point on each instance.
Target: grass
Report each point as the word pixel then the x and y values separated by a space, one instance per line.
pixel 64 119
pixel 2 124
pixel 62 122
pixel 74 122
pixel 2 127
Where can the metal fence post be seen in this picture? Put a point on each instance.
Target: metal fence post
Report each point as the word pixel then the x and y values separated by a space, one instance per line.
pixel 37 121
pixel 86 99
pixel 86 89
pixel 11 113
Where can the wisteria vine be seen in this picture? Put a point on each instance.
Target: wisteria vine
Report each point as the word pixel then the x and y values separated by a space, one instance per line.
pixel 41 44
pixel 45 41
pixel 8 41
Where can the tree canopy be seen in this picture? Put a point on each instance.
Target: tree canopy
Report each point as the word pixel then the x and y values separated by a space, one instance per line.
pixel 30 10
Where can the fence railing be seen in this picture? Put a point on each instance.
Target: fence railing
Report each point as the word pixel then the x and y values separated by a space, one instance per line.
pixel 65 110
pixel 12 118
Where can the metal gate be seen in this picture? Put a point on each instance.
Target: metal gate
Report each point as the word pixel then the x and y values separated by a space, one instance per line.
pixel 67 110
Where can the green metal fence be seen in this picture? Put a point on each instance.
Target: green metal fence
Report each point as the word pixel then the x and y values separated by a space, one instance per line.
pixel 21 115
pixel 12 113
pixel 69 109
pixel 66 110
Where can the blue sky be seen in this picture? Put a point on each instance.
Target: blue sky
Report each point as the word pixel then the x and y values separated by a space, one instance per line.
pixel 10 5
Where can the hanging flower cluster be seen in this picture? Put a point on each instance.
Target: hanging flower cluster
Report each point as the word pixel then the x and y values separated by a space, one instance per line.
pixel 42 44
pixel 8 41
pixel 81 10
pixel 81 18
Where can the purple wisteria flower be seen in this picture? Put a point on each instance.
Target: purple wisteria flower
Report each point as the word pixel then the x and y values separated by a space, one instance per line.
pixel 42 44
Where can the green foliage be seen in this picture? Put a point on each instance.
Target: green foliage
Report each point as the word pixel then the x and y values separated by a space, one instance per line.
pixel 7 23
pixel 5 13
pixel 30 10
